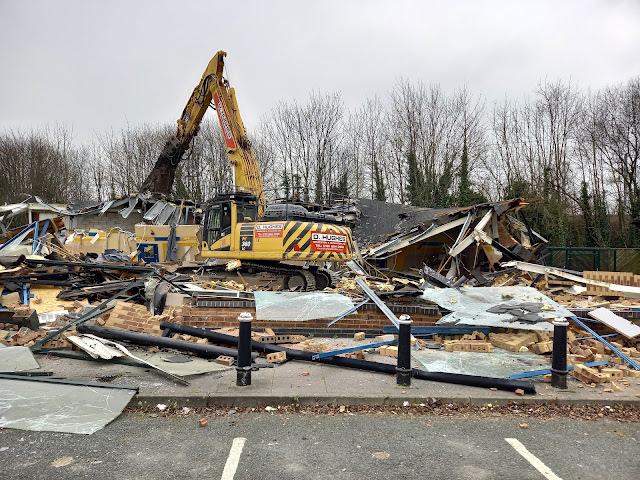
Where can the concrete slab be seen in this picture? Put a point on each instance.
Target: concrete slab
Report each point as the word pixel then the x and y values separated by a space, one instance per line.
pixel 17 359
pixel 196 366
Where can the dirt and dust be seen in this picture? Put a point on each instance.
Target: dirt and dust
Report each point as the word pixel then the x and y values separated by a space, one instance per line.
pixel 621 413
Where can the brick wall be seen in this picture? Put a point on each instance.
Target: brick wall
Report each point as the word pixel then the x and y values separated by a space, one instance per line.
pixel 136 318
pixel 369 321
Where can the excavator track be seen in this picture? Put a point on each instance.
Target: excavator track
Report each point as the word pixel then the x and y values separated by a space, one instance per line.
pixel 307 281
pixel 325 278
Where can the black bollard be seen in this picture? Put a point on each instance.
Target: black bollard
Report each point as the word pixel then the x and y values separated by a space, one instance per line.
pixel 244 350
pixel 403 369
pixel 559 357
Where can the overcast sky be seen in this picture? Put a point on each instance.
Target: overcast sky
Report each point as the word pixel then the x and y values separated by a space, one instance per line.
pixel 97 65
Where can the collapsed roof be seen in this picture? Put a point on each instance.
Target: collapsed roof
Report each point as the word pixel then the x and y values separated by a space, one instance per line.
pixel 462 238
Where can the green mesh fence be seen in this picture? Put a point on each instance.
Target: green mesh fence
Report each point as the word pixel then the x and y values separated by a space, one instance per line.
pixel 602 259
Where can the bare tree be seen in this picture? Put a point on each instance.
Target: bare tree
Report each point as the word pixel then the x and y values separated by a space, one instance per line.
pixel 306 139
pixel 619 132
pixel 131 153
pixel 43 163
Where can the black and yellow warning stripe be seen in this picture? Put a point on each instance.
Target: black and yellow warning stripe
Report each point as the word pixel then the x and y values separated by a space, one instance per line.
pixel 299 233
pixel 321 256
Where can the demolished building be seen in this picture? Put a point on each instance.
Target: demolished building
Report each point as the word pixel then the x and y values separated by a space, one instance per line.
pixel 447 269
pixel 459 241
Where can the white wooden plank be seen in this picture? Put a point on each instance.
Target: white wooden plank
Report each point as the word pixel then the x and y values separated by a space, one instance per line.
pixel 616 322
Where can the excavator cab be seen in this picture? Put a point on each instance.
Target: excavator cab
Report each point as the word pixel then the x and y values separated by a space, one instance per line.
pixel 218 221
pixel 224 212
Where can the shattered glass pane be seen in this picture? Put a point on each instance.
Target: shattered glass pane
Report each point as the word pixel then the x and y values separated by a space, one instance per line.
pixel 17 359
pixel 56 407
pixel 300 306
pixel 500 363
pixel 473 306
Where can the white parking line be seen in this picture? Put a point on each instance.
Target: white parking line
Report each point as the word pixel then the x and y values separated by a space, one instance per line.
pixel 233 459
pixel 532 459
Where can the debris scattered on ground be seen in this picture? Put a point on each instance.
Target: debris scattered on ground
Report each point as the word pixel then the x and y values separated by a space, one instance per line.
pixel 54 283
pixel 549 411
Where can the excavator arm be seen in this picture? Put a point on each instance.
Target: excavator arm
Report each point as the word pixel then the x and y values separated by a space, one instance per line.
pixel 213 90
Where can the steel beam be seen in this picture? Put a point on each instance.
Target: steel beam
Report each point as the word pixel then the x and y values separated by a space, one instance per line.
pixel 381 305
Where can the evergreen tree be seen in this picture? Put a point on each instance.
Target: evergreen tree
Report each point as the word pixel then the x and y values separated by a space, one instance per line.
pixel 296 181
pixel 380 191
pixel 342 187
pixel 416 182
pixel 179 187
pixel 601 219
pixel 587 215
pixel 286 184
pixel 440 194
pixel 634 228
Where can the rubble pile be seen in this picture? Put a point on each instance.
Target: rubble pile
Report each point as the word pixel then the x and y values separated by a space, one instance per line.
pixel 57 298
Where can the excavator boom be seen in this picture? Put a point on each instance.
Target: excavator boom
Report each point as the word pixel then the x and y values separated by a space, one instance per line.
pixel 287 240
pixel 213 90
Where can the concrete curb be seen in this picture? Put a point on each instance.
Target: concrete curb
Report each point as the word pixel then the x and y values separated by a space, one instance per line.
pixel 273 400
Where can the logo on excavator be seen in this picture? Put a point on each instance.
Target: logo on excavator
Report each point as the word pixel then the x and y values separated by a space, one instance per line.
pixel 269 230
pixel 224 122
pixel 328 242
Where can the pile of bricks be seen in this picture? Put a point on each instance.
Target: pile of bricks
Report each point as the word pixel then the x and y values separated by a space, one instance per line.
pixel 27 338
pixel 513 342
pixel 613 379
pixel 389 351
pixel 268 336
pixel 589 374
pixel 468 346
pixel 473 342
pixel 136 318
pixel 476 335
pixel 541 348
pixel 590 349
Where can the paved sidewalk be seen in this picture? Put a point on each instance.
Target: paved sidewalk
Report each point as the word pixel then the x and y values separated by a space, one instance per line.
pixel 325 384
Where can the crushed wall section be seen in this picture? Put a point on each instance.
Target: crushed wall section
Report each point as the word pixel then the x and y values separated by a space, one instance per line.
pixel 136 318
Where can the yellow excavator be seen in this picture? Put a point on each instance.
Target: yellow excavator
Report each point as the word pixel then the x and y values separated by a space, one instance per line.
pixel 284 239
